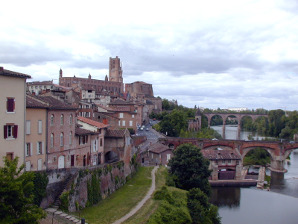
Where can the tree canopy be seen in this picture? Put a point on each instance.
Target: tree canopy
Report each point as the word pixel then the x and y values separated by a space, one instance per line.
pixel 16 195
pixel 189 168
pixel 201 211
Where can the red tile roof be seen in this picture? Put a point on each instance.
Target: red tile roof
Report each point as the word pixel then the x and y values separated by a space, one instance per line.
pixel 82 131
pixel 5 72
pixel 32 102
pixel 55 104
pixel 121 102
pixel 158 148
pixel 117 133
pixel 92 122
pixel 220 154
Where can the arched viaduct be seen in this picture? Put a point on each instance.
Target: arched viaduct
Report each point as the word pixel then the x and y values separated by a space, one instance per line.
pixel 238 117
pixel 278 151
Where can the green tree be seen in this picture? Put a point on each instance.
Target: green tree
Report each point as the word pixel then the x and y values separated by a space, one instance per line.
pixel 173 123
pixel 201 211
pixel 276 122
pixel 16 195
pixel 190 169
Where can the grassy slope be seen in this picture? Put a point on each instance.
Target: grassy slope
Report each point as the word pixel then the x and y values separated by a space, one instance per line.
pixel 142 216
pixel 122 201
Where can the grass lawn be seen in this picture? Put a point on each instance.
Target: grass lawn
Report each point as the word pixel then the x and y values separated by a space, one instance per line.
pixel 120 202
pixel 142 216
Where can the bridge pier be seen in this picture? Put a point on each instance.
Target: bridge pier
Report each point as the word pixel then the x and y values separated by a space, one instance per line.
pixel 224 131
pixel 277 165
pixel 238 130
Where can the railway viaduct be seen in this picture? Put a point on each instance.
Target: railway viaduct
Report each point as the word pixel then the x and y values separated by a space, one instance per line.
pixel 278 151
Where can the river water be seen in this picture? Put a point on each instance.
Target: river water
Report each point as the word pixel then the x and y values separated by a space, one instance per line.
pixel 251 205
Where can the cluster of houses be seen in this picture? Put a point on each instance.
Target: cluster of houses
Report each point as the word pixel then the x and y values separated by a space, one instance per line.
pixel 84 122
pixel 76 123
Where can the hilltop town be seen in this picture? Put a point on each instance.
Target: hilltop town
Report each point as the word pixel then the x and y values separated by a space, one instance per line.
pixel 58 124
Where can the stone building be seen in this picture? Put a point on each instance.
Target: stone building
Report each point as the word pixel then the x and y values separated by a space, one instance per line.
pixel 12 114
pixel 119 146
pixel 115 70
pixel 225 164
pixel 92 87
pixel 156 154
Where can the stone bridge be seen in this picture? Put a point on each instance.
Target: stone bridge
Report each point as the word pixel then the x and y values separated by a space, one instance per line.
pixel 238 117
pixel 278 151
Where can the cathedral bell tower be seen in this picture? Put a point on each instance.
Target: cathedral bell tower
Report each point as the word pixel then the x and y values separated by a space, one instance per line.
pixel 115 70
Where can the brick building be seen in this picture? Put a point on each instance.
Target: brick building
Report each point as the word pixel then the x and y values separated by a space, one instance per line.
pixel 61 123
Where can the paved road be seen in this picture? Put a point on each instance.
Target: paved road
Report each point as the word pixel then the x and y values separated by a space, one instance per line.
pixel 141 203
pixel 151 134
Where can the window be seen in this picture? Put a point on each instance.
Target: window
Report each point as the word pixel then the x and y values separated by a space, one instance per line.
pixel 61 139
pixel 119 123
pixel 229 161
pixel 130 123
pixel 70 138
pixel 52 140
pixel 10 131
pixel 121 115
pixel 70 119
pixel 168 157
pixel 61 119
pixel 39 148
pixel 9 156
pixel 39 127
pixel 83 139
pixel 28 127
pixel 94 146
pixel 28 149
pixel 100 142
pixel 133 116
pixel 123 123
pixel 10 105
pixel 223 162
pixel 52 119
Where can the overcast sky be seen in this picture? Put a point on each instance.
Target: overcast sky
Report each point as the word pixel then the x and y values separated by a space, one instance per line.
pixel 211 53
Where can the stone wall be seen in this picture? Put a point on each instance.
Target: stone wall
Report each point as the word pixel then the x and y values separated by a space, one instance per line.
pixel 91 185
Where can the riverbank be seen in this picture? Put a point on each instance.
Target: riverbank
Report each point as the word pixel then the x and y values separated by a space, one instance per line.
pixel 233 183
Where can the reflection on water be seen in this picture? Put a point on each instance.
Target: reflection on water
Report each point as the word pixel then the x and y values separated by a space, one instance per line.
pixel 257 206
pixel 250 205
pixel 225 197
pixel 287 183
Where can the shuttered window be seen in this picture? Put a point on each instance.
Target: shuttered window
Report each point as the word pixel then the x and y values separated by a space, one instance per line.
pixel 10 131
pixel 10 105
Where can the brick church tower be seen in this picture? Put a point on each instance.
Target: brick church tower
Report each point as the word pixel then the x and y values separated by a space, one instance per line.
pixel 115 70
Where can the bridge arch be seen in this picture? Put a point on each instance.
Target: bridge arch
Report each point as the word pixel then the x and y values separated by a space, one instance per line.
pixel 267 149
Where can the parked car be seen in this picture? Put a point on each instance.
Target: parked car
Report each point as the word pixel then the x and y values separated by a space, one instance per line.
pixel 147 129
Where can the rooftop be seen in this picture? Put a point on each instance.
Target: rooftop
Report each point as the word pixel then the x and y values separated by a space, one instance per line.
pixel 92 122
pixel 32 102
pixel 117 133
pixel 54 104
pixel 82 131
pixel 158 148
pixel 5 72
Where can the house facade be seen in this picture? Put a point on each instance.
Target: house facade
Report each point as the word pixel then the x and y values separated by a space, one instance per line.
pixel 35 134
pixel 61 123
pixel 12 114
pixel 97 139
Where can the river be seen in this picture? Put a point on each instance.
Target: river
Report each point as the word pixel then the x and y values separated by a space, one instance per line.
pixel 251 205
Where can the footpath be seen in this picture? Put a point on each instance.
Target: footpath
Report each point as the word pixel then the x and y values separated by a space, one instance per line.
pixel 141 203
